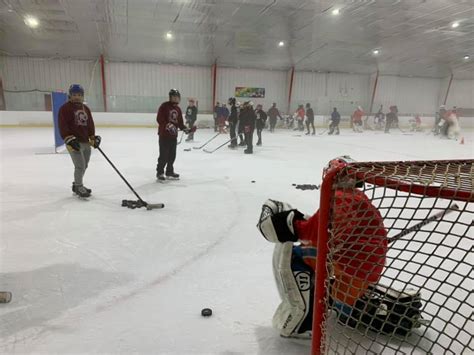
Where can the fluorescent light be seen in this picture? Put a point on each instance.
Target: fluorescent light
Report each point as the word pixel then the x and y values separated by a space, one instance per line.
pixel 455 24
pixel 169 35
pixel 466 57
pixel 281 44
pixel 376 51
pixel 31 21
pixel 336 11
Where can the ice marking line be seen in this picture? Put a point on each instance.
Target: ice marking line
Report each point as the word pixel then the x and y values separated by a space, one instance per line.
pixel 177 269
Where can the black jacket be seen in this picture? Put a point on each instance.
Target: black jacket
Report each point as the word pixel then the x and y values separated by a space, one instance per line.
pixel 310 114
pixel 247 117
pixel 191 113
pixel 234 114
pixel 261 118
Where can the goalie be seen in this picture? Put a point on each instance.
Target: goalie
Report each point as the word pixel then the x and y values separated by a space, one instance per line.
pixel 360 244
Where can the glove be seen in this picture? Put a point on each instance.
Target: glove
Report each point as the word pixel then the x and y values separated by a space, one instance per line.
pixel 72 143
pixel 186 130
pixel 94 141
pixel 277 222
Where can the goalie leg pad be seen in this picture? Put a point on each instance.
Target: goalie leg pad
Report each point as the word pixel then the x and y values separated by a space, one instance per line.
pixel 294 279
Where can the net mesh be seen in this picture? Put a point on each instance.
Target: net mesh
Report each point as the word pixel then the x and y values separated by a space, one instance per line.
pixel 399 262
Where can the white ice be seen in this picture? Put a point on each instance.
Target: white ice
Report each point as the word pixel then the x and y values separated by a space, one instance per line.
pixel 94 277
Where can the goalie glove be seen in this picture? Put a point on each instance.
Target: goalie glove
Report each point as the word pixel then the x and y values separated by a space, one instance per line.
pixel 277 220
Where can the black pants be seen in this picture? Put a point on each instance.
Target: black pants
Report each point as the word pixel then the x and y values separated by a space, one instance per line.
pixel 388 124
pixel 310 123
pixel 334 127
pixel 273 122
pixel 233 133
pixel 190 126
pixel 167 155
pixel 249 139
pixel 259 135
pixel 215 123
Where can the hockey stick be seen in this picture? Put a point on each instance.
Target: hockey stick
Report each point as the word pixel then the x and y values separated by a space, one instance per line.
pixel 223 144
pixel 140 202
pixel 324 131
pixel 205 143
pixel 419 225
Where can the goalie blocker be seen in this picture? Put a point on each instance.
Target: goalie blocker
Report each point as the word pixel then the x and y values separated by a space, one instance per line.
pixel 381 309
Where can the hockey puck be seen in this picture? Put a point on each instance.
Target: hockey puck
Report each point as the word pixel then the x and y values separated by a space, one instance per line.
pixel 206 312
pixel 253 181
pixel 187 149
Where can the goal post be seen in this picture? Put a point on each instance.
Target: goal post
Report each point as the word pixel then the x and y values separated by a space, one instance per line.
pixel 429 207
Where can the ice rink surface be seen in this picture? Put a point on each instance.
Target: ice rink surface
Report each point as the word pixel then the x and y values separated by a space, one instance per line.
pixel 94 277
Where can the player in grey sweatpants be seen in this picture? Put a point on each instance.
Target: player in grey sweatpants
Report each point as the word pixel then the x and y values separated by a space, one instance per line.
pixel 80 159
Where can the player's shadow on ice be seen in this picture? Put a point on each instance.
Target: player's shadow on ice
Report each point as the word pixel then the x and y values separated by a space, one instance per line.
pixel 270 342
pixel 46 293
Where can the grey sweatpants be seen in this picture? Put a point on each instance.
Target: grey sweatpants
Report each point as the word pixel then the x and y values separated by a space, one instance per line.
pixel 80 159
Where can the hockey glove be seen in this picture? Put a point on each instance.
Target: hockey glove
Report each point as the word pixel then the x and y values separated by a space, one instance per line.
pixel 72 143
pixel 277 222
pixel 94 141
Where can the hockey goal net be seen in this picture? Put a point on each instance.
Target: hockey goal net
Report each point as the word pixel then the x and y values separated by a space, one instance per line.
pixel 422 303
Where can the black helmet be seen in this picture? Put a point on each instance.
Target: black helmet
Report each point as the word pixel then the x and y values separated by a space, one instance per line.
pixel 174 92
pixel 231 101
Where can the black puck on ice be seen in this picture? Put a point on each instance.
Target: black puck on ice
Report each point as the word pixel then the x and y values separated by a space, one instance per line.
pixel 206 312
pixel 253 181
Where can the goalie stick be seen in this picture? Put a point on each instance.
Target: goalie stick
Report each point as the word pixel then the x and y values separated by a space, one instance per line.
pixel 223 144
pixel 428 220
pixel 205 143
pixel 140 202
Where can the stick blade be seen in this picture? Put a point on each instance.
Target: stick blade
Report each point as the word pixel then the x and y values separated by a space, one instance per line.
pixel 154 206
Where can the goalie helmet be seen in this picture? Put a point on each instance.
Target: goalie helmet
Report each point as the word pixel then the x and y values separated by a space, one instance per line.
pixel 341 162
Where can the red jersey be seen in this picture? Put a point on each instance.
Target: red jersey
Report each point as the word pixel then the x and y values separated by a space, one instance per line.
pixel 75 119
pixel 300 113
pixel 359 236
pixel 170 119
pixel 357 115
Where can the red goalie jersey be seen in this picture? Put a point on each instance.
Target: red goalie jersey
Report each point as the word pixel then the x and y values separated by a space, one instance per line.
pixel 360 240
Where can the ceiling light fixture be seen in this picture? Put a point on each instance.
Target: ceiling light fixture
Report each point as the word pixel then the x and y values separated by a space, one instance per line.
pixel 336 11
pixel 466 57
pixel 455 25
pixel 31 21
pixel 375 51
pixel 281 44
pixel 169 35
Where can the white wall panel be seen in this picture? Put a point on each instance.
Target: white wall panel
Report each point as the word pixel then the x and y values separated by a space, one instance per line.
pixel 44 74
pixel 411 95
pixel 327 90
pixel 142 87
pixel 461 94
pixel 274 82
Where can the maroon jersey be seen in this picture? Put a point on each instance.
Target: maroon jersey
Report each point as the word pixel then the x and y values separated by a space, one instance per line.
pixel 170 119
pixel 75 119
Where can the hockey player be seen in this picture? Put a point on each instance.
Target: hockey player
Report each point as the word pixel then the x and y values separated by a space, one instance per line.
pixel 222 117
pixel 169 119
pixel 439 120
pixel 215 113
pixel 261 119
pixel 273 113
pixel 452 122
pixel 357 119
pixel 77 129
pixel 379 119
pixel 309 119
pixel 391 118
pixel 191 117
pixel 247 122
pixel 335 120
pixel 415 124
pixel 233 120
pixel 240 127
pixel 299 115
pixel 361 248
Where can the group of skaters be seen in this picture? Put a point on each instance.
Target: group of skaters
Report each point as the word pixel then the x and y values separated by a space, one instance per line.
pixel 382 121
pixel 447 123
